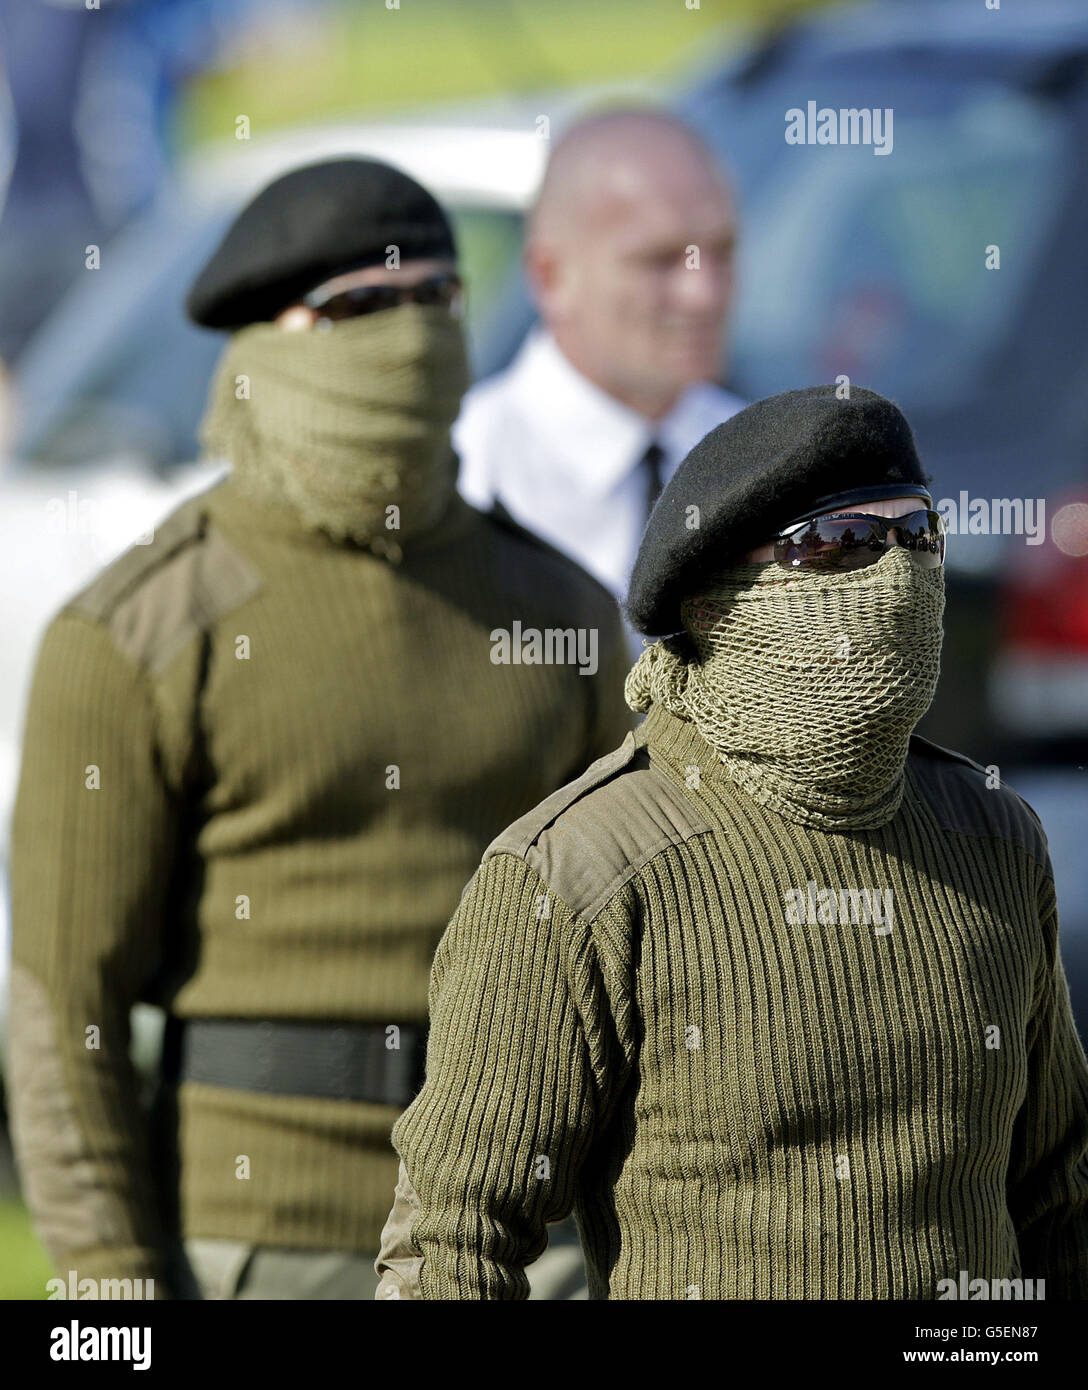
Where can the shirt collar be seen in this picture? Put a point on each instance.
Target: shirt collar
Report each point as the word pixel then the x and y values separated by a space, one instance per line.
pixel 594 438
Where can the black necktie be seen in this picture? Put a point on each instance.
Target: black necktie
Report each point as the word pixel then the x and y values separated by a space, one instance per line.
pixel 650 465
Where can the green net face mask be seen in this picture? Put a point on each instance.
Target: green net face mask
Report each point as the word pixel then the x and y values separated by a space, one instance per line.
pixel 807 687
pixel 349 426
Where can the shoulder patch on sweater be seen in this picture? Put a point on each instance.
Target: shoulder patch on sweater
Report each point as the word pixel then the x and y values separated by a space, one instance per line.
pixel 154 598
pixel 518 836
pixel 587 839
pixel 955 787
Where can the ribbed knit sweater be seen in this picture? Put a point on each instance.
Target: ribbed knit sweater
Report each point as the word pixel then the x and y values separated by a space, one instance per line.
pixel 259 767
pixel 650 1009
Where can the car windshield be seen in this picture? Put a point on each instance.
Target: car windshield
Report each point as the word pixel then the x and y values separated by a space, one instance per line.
pixel 859 267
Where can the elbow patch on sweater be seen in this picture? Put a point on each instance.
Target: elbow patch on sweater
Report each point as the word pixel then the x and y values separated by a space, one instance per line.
pixel 400 1261
pixel 59 1179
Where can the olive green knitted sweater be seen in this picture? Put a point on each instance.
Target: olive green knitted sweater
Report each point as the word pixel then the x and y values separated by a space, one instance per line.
pixel 666 1007
pixel 259 767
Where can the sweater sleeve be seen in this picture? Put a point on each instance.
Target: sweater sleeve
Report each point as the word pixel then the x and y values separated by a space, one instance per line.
pixel 521 1066
pixel 92 841
pixel 1048 1175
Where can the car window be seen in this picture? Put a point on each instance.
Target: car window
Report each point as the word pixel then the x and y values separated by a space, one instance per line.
pixel 875 267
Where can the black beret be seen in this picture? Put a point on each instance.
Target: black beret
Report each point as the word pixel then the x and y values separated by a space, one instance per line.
pixel 779 460
pixel 310 225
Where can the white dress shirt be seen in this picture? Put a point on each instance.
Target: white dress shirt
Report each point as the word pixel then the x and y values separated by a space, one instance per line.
pixel 563 457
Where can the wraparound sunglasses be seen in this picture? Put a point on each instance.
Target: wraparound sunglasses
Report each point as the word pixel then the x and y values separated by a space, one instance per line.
pixel 446 291
pixel 838 542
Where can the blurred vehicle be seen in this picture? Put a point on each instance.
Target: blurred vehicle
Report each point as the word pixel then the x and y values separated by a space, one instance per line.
pixel 876 267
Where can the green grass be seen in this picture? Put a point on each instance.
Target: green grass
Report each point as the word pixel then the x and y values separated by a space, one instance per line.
pixel 24 1265
pixel 366 59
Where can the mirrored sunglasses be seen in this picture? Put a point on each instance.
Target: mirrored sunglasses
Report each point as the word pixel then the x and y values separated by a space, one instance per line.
pixel 852 540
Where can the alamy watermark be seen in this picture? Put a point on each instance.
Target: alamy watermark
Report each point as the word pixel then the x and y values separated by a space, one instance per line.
pixel 76 1343
pixel 996 516
pixel 810 906
pixel 549 646
pixel 866 125
pixel 74 1287
pixel 108 526
pixel 976 1289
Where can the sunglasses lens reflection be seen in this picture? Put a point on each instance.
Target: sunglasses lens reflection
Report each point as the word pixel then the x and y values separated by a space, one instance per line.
pixel 853 542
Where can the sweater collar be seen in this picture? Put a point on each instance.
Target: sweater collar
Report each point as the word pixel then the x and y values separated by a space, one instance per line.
pixel 676 742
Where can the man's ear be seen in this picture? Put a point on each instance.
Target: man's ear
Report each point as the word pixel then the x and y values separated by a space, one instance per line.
pixel 546 279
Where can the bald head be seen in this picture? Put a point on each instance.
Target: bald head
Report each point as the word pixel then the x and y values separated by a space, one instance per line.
pixel 629 255
pixel 602 165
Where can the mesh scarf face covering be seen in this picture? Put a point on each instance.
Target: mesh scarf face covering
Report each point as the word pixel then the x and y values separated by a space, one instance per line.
pixel 347 423
pixel 808 686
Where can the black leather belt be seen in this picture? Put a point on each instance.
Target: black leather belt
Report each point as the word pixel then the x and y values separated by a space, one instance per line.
pixel 332 1061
